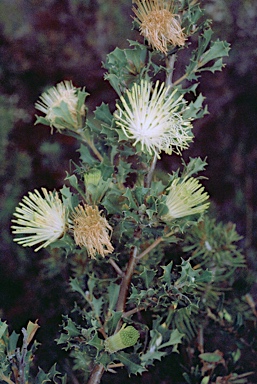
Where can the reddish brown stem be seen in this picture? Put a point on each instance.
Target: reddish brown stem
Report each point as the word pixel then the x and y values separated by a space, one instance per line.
pixel 96 374
pixel 98 370
pixel 126 281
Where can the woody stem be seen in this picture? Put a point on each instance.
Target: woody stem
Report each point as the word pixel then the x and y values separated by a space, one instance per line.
pixel 126 281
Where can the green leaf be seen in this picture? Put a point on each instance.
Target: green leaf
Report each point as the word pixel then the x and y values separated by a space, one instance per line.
pixel 151 355
pixel 195 109
pixel 210 357
pixel 131 361
pixel 96 342
pixel 69 199
pixel 111 201
pixel 12 343
pixel 75 286
pixel 113 321
pixel 71 328
pixel 103 114
pixel 175 338
pixel 194 166
pixel 218 49
pixel 166 277
pixel 86 156
pixel 3 328
pixel 113 293
pixel 105 359
pixel 148 275
pixel 131 201
pixel 42 377
pixel 72 180
pixel 97 305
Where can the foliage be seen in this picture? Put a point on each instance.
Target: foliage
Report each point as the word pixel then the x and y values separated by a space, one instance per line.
pixel 171 280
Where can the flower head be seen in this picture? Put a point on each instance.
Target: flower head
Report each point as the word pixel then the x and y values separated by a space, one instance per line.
pixel 126 337
pixel 152 119
pixel 158 24
pixel 40 219
pixel 63 106
pixel 186 197
pixel 91 230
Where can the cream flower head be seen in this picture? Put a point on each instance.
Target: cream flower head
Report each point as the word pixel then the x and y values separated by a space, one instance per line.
pixel 41 220
pixel 151 118
pixel 62 106
pixel 91 230
pixel 158 24
pixel 186 197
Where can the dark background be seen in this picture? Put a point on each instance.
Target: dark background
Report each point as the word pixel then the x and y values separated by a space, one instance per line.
pixel 45 42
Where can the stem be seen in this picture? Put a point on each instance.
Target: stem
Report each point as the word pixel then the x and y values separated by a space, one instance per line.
pixel 132 311
pixel 151 171
pixel 93 148
pixel 152 246
pixel 116 267
pixel 98 370
pixel 96 374
pixel 126 281
pixel 180 79
pixel 170 61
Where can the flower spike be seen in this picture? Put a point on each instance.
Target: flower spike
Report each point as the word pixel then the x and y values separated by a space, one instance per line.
pixel 151 118
pixel 91 230
pixel 186 197
pixel 63 106
pixel 158 24
pixel 42 220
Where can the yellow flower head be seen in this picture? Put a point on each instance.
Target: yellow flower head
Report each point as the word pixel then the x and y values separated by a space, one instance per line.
pixel 158 24
pixel 62 106
pixel 41 220
pixel 150 117
pixel 186 197
pixel 91 230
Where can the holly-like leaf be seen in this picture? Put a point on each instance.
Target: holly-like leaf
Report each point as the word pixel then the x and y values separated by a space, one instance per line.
pixel 194 166
pixel 75 286
pixel 166 277
pixel 113 293
pixel 103 114
pixel 31 330
pixel 96 342
pixel 112 322
pixel 147 275
pixel 175 338
pixel 131 361
pixel 86 156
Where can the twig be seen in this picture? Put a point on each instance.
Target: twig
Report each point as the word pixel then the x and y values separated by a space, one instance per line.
pixel 116 267
pixel 150 248
pixel 132 311
pixel 170 61
pixel 151 171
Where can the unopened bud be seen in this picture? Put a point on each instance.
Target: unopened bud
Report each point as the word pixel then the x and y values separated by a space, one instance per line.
pixel 126 337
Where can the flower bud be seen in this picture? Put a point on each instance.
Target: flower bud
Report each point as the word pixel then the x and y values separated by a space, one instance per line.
pixel 126 337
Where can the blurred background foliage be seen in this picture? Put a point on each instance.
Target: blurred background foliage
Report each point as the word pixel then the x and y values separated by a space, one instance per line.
pixel 45 42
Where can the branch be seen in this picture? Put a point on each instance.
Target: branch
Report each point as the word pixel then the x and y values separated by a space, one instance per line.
pixel 116 267
pixel 150 248
pixel 126 281
pixel 96 374
pixel 151 171
pixel 170 61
